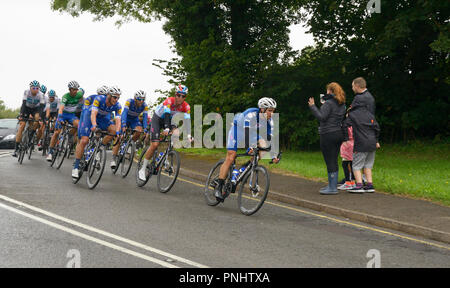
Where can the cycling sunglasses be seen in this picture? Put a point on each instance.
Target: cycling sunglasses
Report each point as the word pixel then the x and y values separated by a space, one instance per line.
pixel 180 95
pixel 140 99
pixel 115 97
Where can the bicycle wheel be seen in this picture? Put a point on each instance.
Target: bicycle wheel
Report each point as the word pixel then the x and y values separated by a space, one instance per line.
pixel 253 191
pixel 211 183
pixel 23 149
pixel 96 167
pixel 61 151
pixel 168 171
pixel 128 158
pixel 148 171
pixel 45 141
pixel 30 144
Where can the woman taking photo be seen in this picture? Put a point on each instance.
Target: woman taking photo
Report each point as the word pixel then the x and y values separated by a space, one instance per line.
pixel 330 116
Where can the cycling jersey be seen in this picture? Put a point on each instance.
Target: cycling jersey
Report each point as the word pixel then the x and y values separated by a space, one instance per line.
pixel 71 103
pixel 248 119
pixel 130 114
pixel 33 101
pixel 103 115
pixel 52 106
pixel 168 107
pixel 99 105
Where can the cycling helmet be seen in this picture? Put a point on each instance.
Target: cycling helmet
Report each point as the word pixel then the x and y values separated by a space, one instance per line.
pixel 266 102
pixel 82 91
pixel 103 90
pixel 114 90
pixel 43 88
pixel 140 94
pixel 51 93
pixel 73 85
pixel 181 89
pixel 34 83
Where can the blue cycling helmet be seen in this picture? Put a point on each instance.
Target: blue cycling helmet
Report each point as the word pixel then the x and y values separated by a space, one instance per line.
pixel 51 93
pixel 181 89
pixel 34 83
pixel 43 88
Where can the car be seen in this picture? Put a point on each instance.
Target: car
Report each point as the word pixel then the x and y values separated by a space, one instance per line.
pixel 8 129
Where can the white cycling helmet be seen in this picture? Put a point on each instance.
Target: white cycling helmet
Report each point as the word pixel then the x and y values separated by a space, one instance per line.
pixel 266 102
pixel 73 85
pixel 103 90
pixel 114 90
pixel 140 94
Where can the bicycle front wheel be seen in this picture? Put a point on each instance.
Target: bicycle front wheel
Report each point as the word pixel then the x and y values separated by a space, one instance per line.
pixel 96 167
pixel 23 149
pixel 128 158
pixel 253 190
pixel 31 146
pixel 61 151
pixel 168 171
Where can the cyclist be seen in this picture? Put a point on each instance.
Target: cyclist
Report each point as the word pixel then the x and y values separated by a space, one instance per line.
pixel 244 130
pixel 41 123
pixel 130 118
pixel 33 103
pixel 98 115
pixel 103 90
pixel 50 110
pixel 162 119
pixel 67 109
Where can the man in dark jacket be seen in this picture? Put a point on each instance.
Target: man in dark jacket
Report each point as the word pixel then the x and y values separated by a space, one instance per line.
pixel 361 117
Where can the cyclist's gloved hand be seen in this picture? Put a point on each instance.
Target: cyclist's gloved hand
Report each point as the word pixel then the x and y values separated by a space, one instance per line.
pixel 59 119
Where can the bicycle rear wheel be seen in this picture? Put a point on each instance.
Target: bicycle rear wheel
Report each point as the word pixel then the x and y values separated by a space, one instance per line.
pixel 168 171
pixel 96 167
pixel 211 183
pixel 253 191
pixel 128 158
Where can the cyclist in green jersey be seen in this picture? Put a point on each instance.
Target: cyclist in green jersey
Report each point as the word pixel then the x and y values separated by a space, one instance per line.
pixel 67 110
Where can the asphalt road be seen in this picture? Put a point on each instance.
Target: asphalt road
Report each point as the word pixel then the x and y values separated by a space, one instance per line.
pixel 46 221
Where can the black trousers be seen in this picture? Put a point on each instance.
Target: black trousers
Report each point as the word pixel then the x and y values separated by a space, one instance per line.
pixel 330 144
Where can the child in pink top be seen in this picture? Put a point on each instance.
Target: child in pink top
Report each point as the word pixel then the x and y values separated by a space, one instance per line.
pixel 347 159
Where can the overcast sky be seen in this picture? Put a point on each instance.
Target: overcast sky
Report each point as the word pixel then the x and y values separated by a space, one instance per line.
pixel 40 44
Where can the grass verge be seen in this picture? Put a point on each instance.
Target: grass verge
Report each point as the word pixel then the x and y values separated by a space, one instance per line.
pixel 419 170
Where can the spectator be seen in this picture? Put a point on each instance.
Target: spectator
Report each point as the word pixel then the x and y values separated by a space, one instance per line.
pixel 347 158
pixel 330 115
pixel 361 117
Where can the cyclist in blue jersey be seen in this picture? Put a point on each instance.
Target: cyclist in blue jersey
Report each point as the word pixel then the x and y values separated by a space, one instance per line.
pixel 244 132
pixel 130 118
pixel 99 117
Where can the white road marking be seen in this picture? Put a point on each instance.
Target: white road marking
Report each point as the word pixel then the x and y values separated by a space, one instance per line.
pixel 104 233
pixel 90 238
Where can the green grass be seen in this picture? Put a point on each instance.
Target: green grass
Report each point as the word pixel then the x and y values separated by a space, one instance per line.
pixel 420 170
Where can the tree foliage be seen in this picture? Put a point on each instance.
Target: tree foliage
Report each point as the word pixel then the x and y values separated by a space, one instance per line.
pixel 6 112
pixel 232 52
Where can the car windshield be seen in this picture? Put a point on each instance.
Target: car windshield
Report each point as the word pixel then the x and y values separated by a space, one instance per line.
pixel 8 123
